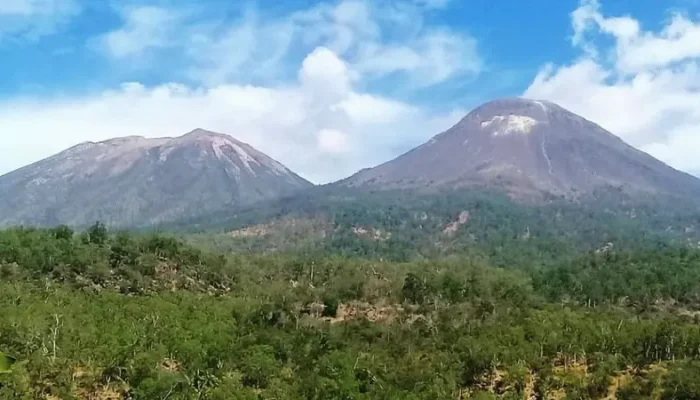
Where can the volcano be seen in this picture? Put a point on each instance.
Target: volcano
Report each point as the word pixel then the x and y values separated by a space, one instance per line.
pixel 529 149
pixel 135 181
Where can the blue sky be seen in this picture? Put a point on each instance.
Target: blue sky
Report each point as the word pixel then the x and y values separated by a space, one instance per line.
pixel 331 87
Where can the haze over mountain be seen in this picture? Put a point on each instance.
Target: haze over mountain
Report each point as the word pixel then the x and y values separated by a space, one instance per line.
pixel 529 149
pixel 134 181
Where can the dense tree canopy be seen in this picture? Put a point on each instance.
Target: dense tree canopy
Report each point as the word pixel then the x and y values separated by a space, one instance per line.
pixel 406 226
pixel 149 317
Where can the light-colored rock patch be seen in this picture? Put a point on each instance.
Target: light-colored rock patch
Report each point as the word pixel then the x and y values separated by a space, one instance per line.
pixel 506 125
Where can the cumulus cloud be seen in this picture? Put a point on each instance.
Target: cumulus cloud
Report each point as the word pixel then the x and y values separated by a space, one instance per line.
pixel 380 39
pixel 325 75
pixel 645 87
pixel 332 141
pixel 32 19
pixel 320 125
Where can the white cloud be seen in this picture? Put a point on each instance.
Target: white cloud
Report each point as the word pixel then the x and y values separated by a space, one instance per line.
pixel 311 113
pixel 320 126
pixel 324 73
pixel 211 50
pixel 32 19
pixel 385 38
pixel 433 58
pixel 645 88
pixel 247 47
pixel 376 39
pixel 332 141
pixel 144 27
pixel 637 51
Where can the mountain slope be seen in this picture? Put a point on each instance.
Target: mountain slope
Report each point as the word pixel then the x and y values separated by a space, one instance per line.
pixel 572 187
pixel 134 181
pixel 528 149
pixel 403 225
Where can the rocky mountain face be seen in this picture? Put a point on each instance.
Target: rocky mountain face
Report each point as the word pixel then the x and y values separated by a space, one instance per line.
pixel 530 149
pixel 134 181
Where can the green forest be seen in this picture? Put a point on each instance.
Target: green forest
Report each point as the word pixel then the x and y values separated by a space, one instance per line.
pixel 106 315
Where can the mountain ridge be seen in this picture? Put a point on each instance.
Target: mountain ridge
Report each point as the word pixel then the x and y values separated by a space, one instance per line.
pixel 530 149
pixel 137 181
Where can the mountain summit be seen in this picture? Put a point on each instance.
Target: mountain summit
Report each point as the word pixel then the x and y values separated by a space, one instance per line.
pixel 528 148
pixel 134 181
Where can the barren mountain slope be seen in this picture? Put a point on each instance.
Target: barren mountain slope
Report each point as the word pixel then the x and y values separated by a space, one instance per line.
pixel 529 149
pixel 134 181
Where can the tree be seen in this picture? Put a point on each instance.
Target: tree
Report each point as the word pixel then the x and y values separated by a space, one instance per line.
pixel 62 232
pixel 330 308
pixel 258 366
pixel 414 289
pixel 97 234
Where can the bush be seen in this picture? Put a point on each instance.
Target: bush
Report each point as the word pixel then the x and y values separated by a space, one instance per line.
pixel 330 304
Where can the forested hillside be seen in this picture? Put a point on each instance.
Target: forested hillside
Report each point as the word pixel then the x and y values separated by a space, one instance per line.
pixel 410 225
pixel 94 316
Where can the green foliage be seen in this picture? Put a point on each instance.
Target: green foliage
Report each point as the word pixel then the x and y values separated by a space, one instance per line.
pixel 63 232
pixel 97 234
pixel 148 316
pixel 330 306
pixel 258 366
pixel 408 225
pixel 414 289
pixel 682 382
pixel 6 363
pixel 670 273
